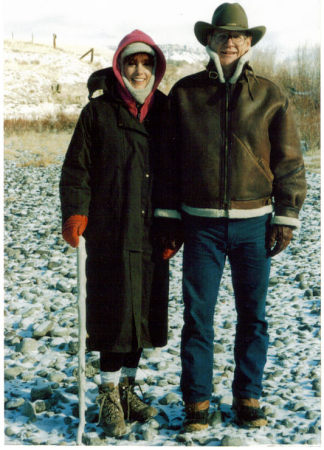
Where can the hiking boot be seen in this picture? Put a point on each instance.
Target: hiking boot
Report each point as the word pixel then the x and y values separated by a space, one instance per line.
pixel 248 412
pixel 111 415
pixel 196 416
pixel 134 408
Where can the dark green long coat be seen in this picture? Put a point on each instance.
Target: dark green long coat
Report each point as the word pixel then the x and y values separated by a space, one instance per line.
pixel 107 176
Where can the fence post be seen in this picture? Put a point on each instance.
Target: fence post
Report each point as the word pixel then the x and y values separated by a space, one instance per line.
pixel 91 51
pixel 54 40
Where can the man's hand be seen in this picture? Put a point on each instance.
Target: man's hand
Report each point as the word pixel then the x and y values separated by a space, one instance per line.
pixel 279 238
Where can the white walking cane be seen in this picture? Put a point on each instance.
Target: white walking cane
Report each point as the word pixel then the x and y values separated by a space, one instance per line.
pixel 81 257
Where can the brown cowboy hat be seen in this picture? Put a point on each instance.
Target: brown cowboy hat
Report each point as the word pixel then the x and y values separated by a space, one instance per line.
pixel 228 17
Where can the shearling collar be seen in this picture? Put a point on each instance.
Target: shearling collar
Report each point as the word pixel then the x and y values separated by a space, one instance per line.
pixel 242 61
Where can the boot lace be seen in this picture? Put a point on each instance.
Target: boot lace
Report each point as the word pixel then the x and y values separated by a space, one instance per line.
pixel 110 401
pixel 132 400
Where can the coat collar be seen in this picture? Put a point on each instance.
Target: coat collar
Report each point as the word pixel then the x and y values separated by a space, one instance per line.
pixel 220 75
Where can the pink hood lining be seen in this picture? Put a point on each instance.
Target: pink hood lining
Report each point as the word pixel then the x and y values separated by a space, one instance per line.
pixel 138 36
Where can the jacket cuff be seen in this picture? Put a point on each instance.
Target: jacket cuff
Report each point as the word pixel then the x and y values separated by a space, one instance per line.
pixel 288 221
pixel 167 213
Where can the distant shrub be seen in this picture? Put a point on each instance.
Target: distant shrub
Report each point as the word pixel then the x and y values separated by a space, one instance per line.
pixel 60 122
pixel 176 70
pixel 300 77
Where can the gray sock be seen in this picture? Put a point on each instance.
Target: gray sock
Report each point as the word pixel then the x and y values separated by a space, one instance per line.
pixel 110 377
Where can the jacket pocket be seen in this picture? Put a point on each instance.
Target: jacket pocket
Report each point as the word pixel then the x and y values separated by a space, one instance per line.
pixel 251 177
pixel 258 161
pixel 266 169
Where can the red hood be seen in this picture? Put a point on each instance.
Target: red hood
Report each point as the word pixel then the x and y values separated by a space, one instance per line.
pixel 140 36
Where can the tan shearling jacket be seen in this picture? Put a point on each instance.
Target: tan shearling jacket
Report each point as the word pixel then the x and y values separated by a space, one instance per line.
pixel 233 150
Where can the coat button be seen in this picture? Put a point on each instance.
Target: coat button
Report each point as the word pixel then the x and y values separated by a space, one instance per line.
pixel 147 175
pixel 143 212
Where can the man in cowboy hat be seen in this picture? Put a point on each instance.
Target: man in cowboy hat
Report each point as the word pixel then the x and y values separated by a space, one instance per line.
pixel 233 172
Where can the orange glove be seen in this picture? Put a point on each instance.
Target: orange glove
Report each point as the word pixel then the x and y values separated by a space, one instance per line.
pixel 74 227
pixel 168 236
pixel 169 252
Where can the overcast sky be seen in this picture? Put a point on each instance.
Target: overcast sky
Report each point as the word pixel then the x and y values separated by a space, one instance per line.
pixel 289 23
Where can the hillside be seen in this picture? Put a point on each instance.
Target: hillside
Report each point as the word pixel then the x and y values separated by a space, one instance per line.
pixel 41 81
pixel 45 88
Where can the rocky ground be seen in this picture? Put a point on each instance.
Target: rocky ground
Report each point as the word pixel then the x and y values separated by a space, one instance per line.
pixel 41 336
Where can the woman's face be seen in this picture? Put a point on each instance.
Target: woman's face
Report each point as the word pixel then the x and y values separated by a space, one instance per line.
pixel 138 69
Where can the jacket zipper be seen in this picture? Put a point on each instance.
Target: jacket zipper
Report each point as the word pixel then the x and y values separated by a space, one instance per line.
pixel 226 148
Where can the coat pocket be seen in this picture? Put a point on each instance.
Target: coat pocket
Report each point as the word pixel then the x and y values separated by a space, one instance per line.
pixel 251 177
pixel 258 161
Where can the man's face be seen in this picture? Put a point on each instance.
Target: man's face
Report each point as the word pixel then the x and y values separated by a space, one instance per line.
pixel 229 46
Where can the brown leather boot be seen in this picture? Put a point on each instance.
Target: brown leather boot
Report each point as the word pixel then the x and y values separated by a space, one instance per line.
pixel 196 416
pixel 133 406
pixel 111 415
pixel 248 412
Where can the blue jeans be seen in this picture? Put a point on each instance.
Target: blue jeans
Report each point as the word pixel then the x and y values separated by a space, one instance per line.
pixel 207 243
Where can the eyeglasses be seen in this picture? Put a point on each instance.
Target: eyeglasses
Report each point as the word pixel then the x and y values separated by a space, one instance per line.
pixel 237 38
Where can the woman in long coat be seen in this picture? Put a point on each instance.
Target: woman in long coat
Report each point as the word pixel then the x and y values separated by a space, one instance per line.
pixel 106 195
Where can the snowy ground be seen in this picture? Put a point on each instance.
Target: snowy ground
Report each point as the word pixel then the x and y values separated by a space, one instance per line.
pixel 40 313
pixel 41 336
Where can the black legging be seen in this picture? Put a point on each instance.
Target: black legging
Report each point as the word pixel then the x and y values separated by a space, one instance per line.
pixel 111 362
